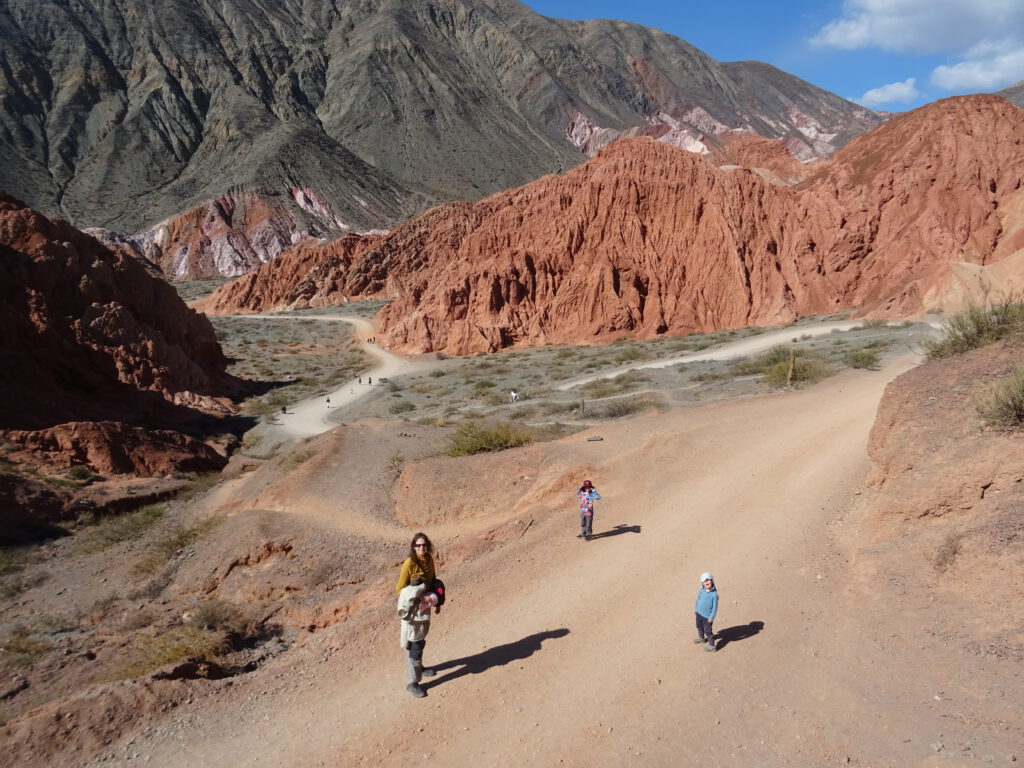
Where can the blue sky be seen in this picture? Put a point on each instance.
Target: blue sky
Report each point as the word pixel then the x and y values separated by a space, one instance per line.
pixel 885 54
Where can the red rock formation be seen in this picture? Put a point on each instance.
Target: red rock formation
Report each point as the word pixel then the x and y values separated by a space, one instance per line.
pixel 88 335
pixel 114 448
pixel 649 239
pixel 304 277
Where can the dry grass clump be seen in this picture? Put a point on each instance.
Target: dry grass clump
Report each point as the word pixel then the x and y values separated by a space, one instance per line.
pixel 126 527
pixel 473 437
pixel 615 409
pixel 975 327
pixel 862 358
pixel 947 553
pixel 20 649
pixel 1003 407
pixel 169 542
pixel 796 372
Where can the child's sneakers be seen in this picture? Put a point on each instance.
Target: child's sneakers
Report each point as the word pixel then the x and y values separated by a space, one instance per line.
pixel 416 690
pixel 428 672
pixel 710 646
pixel 697 640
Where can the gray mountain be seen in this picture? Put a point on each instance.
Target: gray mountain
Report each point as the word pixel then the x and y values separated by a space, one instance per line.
pixel 1014 93
pixel 122 113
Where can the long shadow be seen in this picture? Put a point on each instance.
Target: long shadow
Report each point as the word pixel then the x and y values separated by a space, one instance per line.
pixel 616 531
pixel 739 632
pixel 497 656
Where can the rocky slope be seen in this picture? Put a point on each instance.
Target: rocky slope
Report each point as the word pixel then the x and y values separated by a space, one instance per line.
pixel 102 364
pixel 347 116
pixel 647 239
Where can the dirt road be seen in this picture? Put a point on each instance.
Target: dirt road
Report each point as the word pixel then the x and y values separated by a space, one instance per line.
pixel 555 651
pixel 313 416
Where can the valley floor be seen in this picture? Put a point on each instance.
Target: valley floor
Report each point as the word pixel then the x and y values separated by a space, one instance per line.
pixel 556 651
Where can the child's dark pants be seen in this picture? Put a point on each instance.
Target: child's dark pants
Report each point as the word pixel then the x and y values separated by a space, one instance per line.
pixel 703 627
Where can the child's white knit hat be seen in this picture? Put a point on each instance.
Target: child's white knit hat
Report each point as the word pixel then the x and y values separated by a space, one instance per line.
pixel 705 576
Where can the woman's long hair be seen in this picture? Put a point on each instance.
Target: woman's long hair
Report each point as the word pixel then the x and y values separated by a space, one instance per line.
pixel 412 547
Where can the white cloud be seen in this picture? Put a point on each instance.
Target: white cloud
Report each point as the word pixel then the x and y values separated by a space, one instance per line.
pixel 922 26
pixel 988 66
pixel 890 94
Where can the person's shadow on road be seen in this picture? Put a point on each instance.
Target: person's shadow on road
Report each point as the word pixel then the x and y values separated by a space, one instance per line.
pixel 739 632
pixel 615 531
pixel 492 657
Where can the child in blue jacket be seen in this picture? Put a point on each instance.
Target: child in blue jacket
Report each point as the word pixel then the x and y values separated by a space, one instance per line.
pixel 705 609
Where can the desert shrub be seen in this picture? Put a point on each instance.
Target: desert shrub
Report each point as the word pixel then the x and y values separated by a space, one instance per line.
pixel 223 616
pixel 798 372
pixel 170 646
pixel 472 438
pixel 1003 406
pixel 947 552
pixel 435 374
pixel 751 366
pixel 874 323
pixel 861 358
pixel 126 527
pixel 394 466
pixel 484 384
pixel 975 327
pixel 297 457
pixel 630 354
pixel 81 473
pixel 171 541
pixel 21 649
pixel 615 409
pixel 401 407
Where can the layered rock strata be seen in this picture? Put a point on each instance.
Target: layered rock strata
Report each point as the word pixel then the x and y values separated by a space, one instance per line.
pixel 87 334
pixel 647 239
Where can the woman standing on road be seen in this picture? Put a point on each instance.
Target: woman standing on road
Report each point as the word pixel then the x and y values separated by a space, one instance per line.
pixel 587 495
pixel 420 562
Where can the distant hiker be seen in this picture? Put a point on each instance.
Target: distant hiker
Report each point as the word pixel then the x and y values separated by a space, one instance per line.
pixel 587 495
pixel 513 397
pixel 420 562
pixel 360 379
pixel 705 609
pixel 414 604
pixel 328 402
pixel 284 409
pixel 369 379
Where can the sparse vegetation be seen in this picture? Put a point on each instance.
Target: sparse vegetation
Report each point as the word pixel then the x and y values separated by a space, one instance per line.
pixel 395 465
pixel 21 649
pixel 861 358
pixel 473 437
pixel 947 553
pixel 126 527
pixel 1003 406
pixel 975 327
pixel 167 543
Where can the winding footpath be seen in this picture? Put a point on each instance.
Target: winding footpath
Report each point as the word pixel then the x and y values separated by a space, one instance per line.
pixel 313 416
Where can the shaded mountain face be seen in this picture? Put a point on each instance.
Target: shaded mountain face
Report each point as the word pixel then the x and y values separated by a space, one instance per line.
pixel 648 239
pixel 101 363
pixel 123 113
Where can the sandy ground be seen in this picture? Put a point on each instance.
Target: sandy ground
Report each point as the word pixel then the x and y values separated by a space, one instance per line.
pixel 556 651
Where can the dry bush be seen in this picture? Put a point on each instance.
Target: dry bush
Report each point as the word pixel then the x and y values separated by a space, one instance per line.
pixel 975 327
pixel 1003 406
pixel 472 438
pixel 21 649
pixel 114 530
pixel 947 553
pixel 169 542
pixel 861 358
